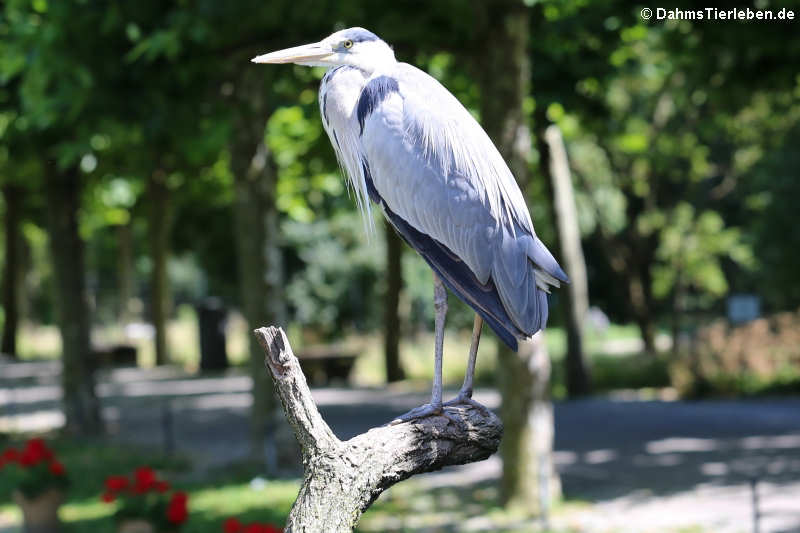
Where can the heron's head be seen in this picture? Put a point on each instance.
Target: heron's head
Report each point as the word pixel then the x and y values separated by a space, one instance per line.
pixel 355 47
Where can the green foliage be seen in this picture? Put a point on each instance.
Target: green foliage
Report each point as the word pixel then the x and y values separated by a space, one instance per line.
pixel 662 148
pixel 691 248
pixel 334 275
pixel 679 134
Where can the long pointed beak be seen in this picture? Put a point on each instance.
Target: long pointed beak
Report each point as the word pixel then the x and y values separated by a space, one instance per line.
pixel 306 52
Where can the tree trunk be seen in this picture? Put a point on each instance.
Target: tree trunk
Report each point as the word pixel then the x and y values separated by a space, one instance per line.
pixel 258 257
pixel 577 290
pixel 523 378
pixel 530 481
pixel 12 270
pixel 679 307
pixel 159 227
pixel 641 302
pixel 124 272
pixel 391 322
pixel 342 479
pixel 81 409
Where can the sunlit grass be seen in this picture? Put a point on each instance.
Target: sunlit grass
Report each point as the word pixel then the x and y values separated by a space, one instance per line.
pixel 43 342
pixel 416 350
pixel 36 341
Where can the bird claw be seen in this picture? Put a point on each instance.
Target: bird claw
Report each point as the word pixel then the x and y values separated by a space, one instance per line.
pixel 418 412
pixel 464 398
pixel 424 411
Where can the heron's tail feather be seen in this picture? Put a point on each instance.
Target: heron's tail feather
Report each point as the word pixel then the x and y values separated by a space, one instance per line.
pixel 524 270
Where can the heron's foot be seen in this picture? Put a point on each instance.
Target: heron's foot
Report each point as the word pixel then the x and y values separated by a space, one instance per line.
pixel 465 398
pixel 424 411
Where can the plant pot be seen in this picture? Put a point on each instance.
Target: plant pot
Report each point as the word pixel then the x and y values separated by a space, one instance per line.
pixel 40 513
pixel 135 525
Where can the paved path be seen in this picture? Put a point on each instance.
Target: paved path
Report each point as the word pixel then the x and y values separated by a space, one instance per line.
pixel 646 465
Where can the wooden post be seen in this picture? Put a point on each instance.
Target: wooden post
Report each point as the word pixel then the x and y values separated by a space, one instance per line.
pixel 569 236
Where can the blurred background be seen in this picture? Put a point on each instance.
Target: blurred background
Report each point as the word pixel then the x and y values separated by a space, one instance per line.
pixel 162 196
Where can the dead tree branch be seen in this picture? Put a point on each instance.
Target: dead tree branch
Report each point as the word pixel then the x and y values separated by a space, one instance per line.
pixel 342 479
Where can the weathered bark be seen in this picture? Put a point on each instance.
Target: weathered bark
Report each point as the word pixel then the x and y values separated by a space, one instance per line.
pixel 81 407
pixel 258 256
pixel 569 235
pixel 342 479
pixel 527 445
pixel 159 227
pixel 391 321
pixel 529 479
pixel 12 271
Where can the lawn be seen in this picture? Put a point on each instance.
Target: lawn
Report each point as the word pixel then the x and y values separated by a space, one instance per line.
pixel 610 371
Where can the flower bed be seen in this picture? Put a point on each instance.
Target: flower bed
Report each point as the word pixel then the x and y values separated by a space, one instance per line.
pixel 143 500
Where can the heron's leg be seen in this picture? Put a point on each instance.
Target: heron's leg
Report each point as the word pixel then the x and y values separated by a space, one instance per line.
pixel 435 406
pixel 440 305
pixel 466 389
pixel 465 394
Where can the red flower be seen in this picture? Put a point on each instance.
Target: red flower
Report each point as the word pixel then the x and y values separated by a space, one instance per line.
pixel 145 479
pixel 39 449
pixel 161 486
pixel 30 457
pixel 253 528
pixel 108 497
pixel 177 510
pixel 272 529
pixel 57 469
pixel 232 525
pixel 10 455
pixel 117 483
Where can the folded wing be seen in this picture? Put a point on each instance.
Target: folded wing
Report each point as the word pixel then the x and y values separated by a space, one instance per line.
pixel 446 189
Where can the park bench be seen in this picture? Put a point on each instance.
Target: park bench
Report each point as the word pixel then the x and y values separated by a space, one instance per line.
pixel 114 355
pixel 324 364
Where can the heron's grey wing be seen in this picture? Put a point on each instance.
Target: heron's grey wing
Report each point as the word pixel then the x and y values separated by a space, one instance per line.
pixel 440 178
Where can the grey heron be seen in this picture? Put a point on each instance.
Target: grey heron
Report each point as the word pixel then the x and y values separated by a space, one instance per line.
pixel 408 145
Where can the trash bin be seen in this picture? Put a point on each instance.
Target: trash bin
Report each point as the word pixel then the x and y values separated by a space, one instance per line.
pixel 211 317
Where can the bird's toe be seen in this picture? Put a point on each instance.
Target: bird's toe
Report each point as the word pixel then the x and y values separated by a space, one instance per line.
pixel 464 399
pixel 418 412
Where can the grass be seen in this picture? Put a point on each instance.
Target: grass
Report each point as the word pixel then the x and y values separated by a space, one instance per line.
pixel 38 342
pixel 609 371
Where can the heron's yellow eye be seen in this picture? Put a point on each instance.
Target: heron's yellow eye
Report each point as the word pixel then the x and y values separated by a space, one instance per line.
pixel 348 44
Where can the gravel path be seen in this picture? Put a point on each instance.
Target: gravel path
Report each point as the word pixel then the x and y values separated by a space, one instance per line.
pixel 645 465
